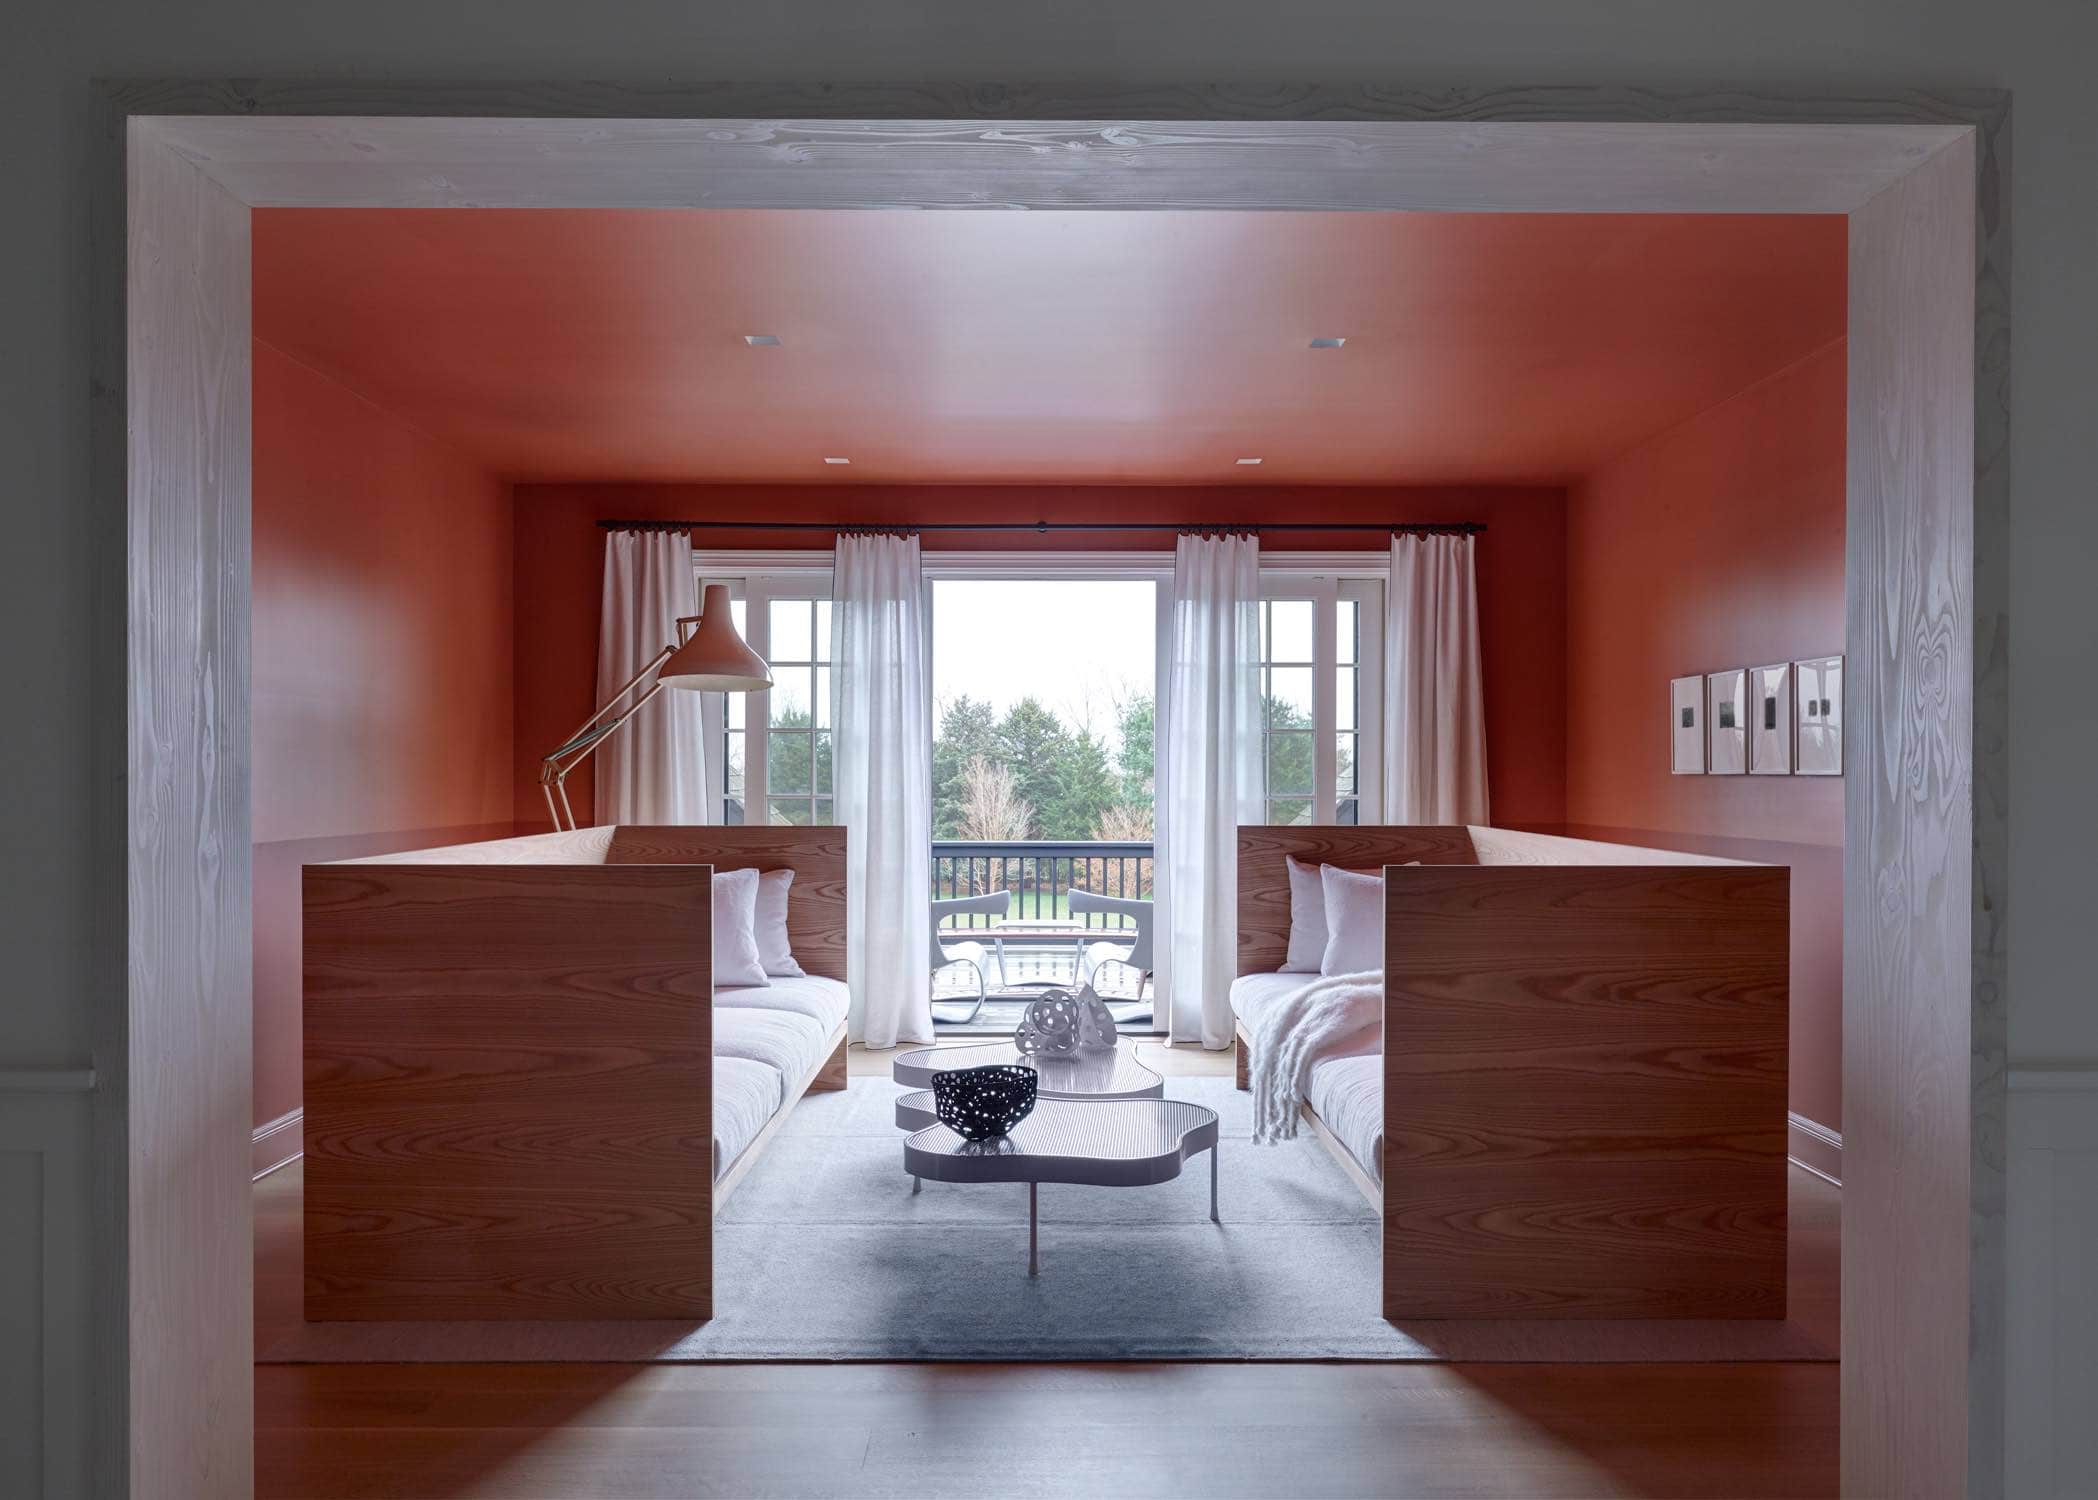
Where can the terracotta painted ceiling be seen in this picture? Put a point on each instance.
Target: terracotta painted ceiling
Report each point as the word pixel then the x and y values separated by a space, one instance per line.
pixel 1075 347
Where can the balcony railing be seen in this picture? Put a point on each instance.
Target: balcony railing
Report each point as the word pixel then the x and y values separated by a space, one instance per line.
pixel 1040 874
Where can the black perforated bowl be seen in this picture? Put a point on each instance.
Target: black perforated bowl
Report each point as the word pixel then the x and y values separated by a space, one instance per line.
pixel 978 1103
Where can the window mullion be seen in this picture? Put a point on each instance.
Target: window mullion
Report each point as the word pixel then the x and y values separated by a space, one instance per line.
pixel 757 712
pixel 1324 714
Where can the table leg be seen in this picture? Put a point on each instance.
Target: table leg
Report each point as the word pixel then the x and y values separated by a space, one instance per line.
pixel 919 1182
pixel 1034 1264
pixel 1213 1186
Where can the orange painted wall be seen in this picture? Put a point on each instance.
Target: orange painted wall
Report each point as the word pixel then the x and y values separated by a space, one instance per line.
pixel 382 660
pixel 1522 584
pixel 1719 544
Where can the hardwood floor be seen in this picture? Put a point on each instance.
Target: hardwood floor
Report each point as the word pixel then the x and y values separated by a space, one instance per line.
pixel 638 1432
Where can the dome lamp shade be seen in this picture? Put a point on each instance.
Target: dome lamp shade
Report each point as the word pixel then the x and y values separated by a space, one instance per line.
pixel 715 659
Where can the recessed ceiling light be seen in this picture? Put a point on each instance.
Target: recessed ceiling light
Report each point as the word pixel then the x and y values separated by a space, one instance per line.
pixel 1248 462
pixel 837 460
pixel 1327 343
pixel 762 340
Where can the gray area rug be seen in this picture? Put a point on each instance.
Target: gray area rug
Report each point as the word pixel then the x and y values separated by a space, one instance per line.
pixel 824 1253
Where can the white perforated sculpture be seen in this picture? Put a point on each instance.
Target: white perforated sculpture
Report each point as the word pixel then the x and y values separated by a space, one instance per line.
pixel 1061 1022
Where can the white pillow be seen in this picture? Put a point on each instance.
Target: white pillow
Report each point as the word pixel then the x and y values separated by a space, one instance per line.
pixel 1354 921
pixel 736 958
pixel 775 951
pixel 1307 918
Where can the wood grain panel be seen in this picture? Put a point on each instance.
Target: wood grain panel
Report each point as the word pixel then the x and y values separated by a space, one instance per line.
pixel 1309 155
pixel 1263 872
pixel 509 1091
pixel 816 906
pixel 1911 969
pixel 187 1080
pixel 1584 1091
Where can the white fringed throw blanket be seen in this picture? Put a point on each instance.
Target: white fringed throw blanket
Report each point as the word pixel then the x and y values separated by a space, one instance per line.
pixel 1337 1016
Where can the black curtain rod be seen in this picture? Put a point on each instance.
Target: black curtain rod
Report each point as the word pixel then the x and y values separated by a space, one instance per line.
pixel 1461 528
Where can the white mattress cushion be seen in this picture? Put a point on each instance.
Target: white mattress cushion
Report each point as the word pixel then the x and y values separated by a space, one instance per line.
pixel 1348 1094
pixel 1251 994
pixel 781 1039
pixel 824 1001
pixel 746 1095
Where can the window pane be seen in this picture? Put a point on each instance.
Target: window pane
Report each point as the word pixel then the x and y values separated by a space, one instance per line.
pixel 790 630
pixel 787 762
pixel 1289 697
pixel 823 753
pixel 790 810
pixel 790 696
pixel 823 812
pixel 823 690
pixel 1344 765
pixel 1289 631
pixel 735 704
pixel 1267 611
pixel 1344 698
pixel 822 630
pixel 732 765
pixel 739 611
pixel 1349 812
pixel 1349 623
pixel 1291 765
pixel 1289 810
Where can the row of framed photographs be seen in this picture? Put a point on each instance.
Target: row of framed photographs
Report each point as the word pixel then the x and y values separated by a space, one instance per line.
pixel 1782 720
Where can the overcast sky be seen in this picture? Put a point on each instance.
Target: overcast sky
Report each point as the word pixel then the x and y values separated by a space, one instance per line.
pixel 1078 646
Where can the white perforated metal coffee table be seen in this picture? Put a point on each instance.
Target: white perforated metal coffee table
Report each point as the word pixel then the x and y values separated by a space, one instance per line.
pixel 1110 1073
pixel 1096 1143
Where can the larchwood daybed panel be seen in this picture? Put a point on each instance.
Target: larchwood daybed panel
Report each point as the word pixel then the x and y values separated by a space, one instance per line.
pixel 1263 874
pixel 816 855
pixel 509 1088
pixel 1585 1088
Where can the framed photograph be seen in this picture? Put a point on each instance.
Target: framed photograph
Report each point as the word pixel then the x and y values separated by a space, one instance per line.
pixel 1770 720
pixel 1726 723
pixel 1686 726
pixel 1820 716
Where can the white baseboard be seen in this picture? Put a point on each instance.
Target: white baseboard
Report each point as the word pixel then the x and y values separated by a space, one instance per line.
pixel 2051 1332
pixel 280 1142
pixel 1813 1145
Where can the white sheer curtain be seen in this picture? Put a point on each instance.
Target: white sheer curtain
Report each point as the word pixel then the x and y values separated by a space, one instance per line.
pixel 1209 772
pixel 882 748
pixel 653 770
pixel 1434 708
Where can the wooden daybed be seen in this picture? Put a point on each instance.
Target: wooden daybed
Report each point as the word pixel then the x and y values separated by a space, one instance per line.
pixel 1583 1070
pixel 511 1072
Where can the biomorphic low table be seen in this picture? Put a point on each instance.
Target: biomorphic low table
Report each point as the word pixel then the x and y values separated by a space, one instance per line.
pixel 1106 1073
pixel 1095 1143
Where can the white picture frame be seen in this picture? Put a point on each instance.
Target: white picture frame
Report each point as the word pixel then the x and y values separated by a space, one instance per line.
pixel 1770 720
pixel 1726 723
pixel 1819 717
pixel 1686 726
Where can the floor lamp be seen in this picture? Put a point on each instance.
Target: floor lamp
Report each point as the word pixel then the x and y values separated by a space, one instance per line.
pixel 707 658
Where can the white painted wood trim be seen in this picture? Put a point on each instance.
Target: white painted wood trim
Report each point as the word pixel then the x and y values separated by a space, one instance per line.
pixel 279 1143
pixel 47 1080
pixel 1814 1147
pixel 2051 1355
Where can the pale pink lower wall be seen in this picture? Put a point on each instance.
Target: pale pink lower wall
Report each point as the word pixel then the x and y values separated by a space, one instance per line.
pixel 383 638
pixel 1719 544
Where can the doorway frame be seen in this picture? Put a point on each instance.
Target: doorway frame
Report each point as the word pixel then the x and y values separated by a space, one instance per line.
pixel 1922 177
